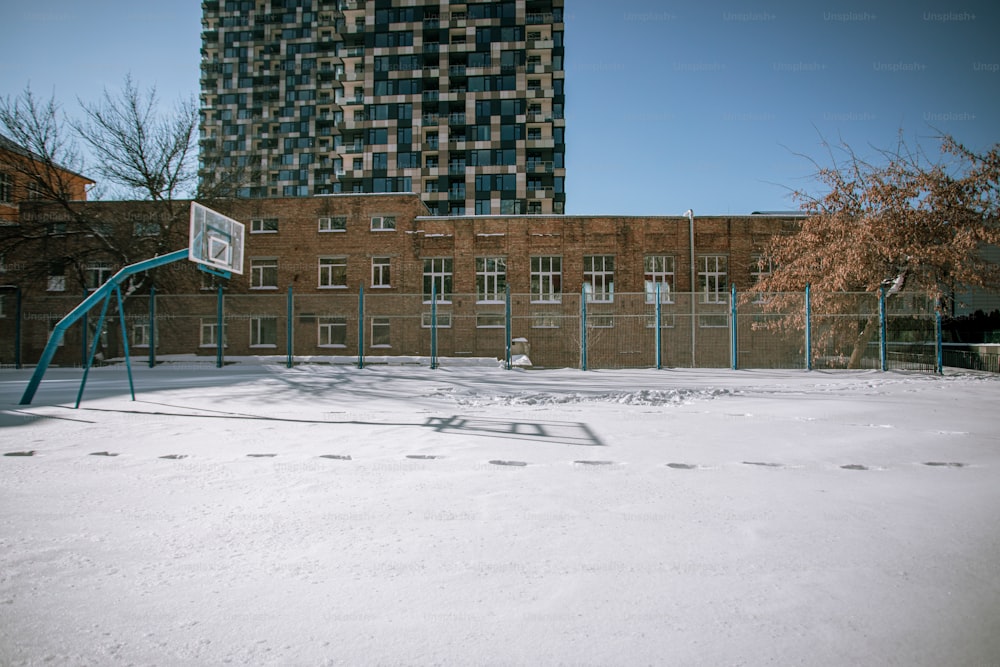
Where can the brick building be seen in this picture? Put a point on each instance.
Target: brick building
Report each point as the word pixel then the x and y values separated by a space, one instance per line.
pixel 333 251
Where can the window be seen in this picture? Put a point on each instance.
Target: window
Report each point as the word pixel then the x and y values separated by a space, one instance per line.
pixel 383 223
pixel 761 268
pixel 6 189
pixel 380 332
pixel 331 331
pixel 659 270
pixel 140 334
pixel 599 277
pixel 145 228
pixel 336 223
pixel 263 331
pixel 209 333
pixel 546 279
pixel 264 273
pixel 96 274
pixel 333 272
pixel 546 321
pixel 490 321
pixel 438 277
pixel 712 271
pixel 263 225
pixel 443 320
pixel 380 272
pixel 57 277
pixel 491 279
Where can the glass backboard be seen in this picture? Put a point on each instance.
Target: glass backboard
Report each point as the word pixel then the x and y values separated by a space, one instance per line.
pixel 216 240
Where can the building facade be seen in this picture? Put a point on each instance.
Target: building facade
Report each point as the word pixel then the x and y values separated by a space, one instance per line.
pixel 462 103
pixel 371 274
pixel 25 176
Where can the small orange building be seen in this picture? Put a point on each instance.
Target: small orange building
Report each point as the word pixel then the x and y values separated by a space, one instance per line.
pixel 26 176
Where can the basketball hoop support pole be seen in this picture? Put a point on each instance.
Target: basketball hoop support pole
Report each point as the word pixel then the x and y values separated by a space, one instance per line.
pixel 95 297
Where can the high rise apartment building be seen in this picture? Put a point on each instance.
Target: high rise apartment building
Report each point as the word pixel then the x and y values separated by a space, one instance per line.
pixel 461 102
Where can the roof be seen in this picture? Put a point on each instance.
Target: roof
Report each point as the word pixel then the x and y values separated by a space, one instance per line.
pixel 8 144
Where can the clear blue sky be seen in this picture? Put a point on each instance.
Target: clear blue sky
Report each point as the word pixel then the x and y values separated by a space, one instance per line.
pixel 669 106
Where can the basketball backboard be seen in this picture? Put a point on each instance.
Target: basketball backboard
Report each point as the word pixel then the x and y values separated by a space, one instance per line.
pixel 216 240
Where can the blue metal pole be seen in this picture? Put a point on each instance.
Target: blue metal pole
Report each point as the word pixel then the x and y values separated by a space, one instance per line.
pixel 434 324
pixel 85 326
pixel 89 359
pixel 733 333
pixel 152 326
pixel 808 327
pixel 77 313
pixel 583 328
pixel 939 342
pixel 882 330
pixel 507 327
pixel 220 331
pixel 361 326
pixel 289 329
pixel 17 329
pixel 657 330
pixel 128 363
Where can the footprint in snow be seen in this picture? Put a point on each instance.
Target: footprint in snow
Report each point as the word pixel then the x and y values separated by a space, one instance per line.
pixel 261 456
pixel 595 463
pixel 30 452
pixel 174 457
pixel 104 454
pixel 764 464
pixel 423 457
pixel 681 466
pixel 508 463
pixel 854 466
pixel 945 464
pixel 339 457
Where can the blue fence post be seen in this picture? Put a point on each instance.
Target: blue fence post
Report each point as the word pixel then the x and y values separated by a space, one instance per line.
pixel 583 327
pixel 882 355
pixel 121 318
pixel 85 333
pixel 434 324
pixel 152 326
pixel 733 333
pixel 220 329
pixel 809 356
pixel 939 344
pixel 17 328
pixel 507 327
pixel 658 330
pixel 361 326
pixel 290 330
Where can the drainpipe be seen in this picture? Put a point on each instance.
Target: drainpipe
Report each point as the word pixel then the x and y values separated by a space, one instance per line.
pixel 690 216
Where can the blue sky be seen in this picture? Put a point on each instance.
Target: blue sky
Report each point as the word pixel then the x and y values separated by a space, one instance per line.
pixel 669 106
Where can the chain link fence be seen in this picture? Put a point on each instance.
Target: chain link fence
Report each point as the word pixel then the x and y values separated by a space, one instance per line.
pixel 630 330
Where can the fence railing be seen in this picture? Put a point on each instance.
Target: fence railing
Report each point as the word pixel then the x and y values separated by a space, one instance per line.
pixel 587 330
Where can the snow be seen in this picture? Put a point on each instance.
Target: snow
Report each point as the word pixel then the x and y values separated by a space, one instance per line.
pixel 471 515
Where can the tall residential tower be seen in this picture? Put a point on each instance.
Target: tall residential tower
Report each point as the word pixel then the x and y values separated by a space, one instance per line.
pixel 461 102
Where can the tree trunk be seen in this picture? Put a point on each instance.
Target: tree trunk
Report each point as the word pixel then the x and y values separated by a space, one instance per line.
pixel 861 342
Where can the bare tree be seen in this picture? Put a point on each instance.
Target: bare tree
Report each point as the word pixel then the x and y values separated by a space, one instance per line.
pixel 904 222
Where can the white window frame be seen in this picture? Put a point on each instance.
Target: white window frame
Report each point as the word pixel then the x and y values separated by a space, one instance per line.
pixel 491 279
pixel 260 268
pixel 381 322
pixel 438 273
pixel 208 331
pixel 659 270
pixel 327 273
pixel 443 319
pixel 383 223
pixel 599 275
pixel 325 326
pixel 140 334
pixel 491 321
pixel 546 279
pixel 257 331
pixel 713 272
pixel 381 272
pixel 97 273
pixel 264 226
pixel 326 224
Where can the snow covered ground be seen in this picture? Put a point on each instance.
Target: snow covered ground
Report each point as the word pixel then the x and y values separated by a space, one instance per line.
pixel 468 515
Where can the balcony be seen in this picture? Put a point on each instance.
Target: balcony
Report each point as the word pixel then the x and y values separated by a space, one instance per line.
pixel 540 167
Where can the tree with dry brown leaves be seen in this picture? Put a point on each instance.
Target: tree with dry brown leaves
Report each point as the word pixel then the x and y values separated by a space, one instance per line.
pixel 902 222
